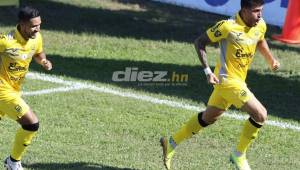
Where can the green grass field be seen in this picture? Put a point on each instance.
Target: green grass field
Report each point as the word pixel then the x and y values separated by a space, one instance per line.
pixel 84 126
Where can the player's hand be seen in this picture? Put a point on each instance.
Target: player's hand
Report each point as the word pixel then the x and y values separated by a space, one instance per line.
pixel 212 79
pixel 275 65
pixel 46 64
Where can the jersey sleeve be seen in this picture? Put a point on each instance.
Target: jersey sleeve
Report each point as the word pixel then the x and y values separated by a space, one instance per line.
pixel 39 47
pixel 219 31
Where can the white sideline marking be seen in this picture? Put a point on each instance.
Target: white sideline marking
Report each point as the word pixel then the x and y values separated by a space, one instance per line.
pixel 54 90
pixel 77 85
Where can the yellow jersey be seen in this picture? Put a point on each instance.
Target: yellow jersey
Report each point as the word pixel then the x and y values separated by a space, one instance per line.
pixel 15 56
pixel 237 45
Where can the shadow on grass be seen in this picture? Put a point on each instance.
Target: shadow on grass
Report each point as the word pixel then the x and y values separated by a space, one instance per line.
pixel 278 94
pixel 156 21
pixel 73 166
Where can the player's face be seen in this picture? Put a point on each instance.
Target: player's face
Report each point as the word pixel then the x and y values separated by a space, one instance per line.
pixel 253 15
pixel 31 27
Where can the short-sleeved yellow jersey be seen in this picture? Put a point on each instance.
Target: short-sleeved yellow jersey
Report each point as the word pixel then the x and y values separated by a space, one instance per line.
pixel 237 44
pixel 15 56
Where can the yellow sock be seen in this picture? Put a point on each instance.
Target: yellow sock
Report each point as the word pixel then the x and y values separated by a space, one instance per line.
pixel 22 140
pixel 188 130
pixel 249 133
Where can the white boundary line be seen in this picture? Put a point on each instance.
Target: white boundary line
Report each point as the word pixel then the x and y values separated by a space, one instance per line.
pixel 73 85
pixel 54 90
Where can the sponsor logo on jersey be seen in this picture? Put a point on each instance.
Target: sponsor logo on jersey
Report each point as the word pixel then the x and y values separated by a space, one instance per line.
pixel 243 93
pixel 13 67
pixel 241 54
pixel 18 108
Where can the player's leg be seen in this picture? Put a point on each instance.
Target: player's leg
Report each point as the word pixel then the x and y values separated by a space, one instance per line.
pixel 193 126
pixel 18 110
pixel 196 123
pixel 190 128
pixel 29 126
pixel 258 116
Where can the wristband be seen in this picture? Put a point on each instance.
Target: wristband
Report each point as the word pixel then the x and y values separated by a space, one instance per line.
pixel 207 71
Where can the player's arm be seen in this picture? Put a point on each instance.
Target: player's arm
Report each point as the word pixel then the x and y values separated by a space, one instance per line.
pixel 264 49
pixel 41 59
pixel 214 34
pixel 200 45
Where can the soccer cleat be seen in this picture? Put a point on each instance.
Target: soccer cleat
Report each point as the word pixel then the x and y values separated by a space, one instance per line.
pixel 240 162
pixel 10 165
pixel 168 152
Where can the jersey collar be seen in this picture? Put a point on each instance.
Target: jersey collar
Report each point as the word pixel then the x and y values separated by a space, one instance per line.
pixel 19 37
pixel 240 21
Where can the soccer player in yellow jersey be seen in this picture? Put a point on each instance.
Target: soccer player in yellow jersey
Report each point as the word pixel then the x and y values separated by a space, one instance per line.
pixel 238 38
pixel 17 48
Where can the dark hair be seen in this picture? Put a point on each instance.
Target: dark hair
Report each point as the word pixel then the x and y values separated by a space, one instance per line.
pixel 251 3
pixel 26 13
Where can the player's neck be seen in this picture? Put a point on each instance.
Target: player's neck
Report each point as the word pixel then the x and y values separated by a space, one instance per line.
pixel 242 15
pixel 22 34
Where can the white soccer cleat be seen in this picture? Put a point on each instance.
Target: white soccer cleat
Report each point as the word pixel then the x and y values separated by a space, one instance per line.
pixel 240 162
pixel 10 165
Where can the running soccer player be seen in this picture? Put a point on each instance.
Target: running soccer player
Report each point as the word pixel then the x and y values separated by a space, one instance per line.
pixel 238 38
pixel 17 49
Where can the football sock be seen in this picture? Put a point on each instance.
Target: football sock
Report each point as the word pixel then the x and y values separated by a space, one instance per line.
pixel 249 133
pixel 22 140
pixel 193 126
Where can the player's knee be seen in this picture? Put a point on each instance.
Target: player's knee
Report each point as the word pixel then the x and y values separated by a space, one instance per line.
pixel 31 127
pixel 202 121
pixel 261 115
pixel 211 120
